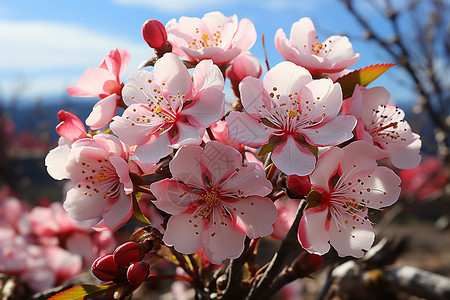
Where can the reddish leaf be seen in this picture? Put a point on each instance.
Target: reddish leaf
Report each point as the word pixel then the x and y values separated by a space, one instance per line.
pixel 363 77
pixel 82 291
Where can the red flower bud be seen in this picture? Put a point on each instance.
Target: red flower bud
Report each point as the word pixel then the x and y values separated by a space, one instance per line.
pixel 138 272
pixel 154 33
pixel 104 268
pixel 298 186
pixel 127 253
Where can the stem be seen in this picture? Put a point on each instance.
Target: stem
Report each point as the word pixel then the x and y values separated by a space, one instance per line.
pixel 286 253
pixel 265 52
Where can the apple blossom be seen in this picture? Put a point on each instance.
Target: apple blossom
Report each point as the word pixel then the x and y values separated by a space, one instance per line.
pixel 291 111
pixel 103 82
pixel 245 64
pixel 302 48
pixel 213 37
pixel 383 125
pixel 215 201
pixel 167 109
pixel 99 172
pixel 345 183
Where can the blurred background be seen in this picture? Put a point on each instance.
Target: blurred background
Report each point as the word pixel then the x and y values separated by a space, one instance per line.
pixel 46 45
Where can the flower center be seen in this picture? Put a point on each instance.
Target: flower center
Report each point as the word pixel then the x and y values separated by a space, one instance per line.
pixel 101 177
pixel 212 199
pixel 316 47
pixel 292 113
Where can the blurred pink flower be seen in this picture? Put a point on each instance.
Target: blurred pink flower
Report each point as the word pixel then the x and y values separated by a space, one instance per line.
pixel 290 110
pixel 287 210
pixel 336 213
pixel 302 48
pixel 103 82
pixel 214 37
pixel 215 201
pixel 168 109
pixel 383 125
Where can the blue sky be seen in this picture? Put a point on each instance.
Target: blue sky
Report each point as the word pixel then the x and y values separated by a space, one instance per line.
pixel 48 44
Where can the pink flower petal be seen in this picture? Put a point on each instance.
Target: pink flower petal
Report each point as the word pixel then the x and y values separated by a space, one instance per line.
pixel 255 215
pixel 220 161
pixel 247 130
pixel 123 171
pixel 245 36
pixel 119 212
pixel 91 83
pixel 334 132
pixel 207 107
pixel 406 157
pixel 82 204
pixel 303 33
pixel 70 126
pixel 321 99
pixel 291 158
pixel 170 70
pixel 326 167
pixel 182 235
pixel 360 155
pixel 218 55
pixel 221 240
pixel 314 231
pixel 103 112
pixel 249 180
pixel 352 237
pixel 294 78
pixel 155 149
pixel 185 166
pixel 140 88
pixel 56 160
pixel 207 75
pixel 253 95
pixel 187 135
pixel 173 196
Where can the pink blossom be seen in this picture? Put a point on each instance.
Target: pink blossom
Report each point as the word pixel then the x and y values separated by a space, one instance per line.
pixel 167 109
pixel 215 201
pixel 287 210
pixel 213 37
pixel 345 183
pixel 383 125
pixel 302 48
pixel 245 64
pixel 103 82
pixel 291 111
pixel 99 173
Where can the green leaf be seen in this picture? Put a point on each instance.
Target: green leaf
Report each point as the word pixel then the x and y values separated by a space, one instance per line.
pixel 80 292
pixel 363 77
pixel 138 213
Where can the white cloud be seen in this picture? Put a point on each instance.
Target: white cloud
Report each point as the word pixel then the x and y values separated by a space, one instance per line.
pixel 176 6
pixel 43 45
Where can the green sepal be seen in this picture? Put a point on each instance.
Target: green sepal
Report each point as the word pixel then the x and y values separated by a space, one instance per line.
pixel 84 291
pixel 137 210
pixel 362 77
pixel 314 199
pixel 274 141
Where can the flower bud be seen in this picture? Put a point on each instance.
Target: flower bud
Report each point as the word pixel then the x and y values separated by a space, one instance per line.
pixel 127 253
pixel 149 237
pixel 104 268
pixel 306 263
pixel 138 272
pixel 298 186
pixel 154 33
pixel 244 65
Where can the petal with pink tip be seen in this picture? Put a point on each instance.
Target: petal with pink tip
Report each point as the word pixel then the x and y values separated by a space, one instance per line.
pixel 334 132
pixel 247 130
pixel 91 83
pixel 220 161
pixel 103 112
pixel 291 158
pixel 116 62
pixel 184 233
pixel 171 71
pixel 156 148
pixel 207 107
pixel 254 215
pixel 221 240
pixel 314 231
pixel 172 196
pixel 351 237
pixel 185 166
pixel 70 126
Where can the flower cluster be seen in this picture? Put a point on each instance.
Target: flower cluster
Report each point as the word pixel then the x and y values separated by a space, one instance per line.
pixel 223 177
